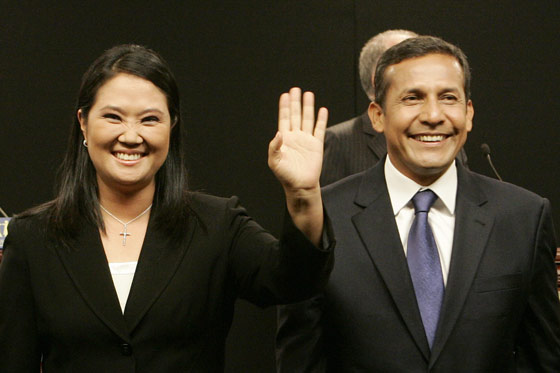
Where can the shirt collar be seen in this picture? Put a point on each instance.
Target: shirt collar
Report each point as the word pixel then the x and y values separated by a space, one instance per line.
pixel 402 189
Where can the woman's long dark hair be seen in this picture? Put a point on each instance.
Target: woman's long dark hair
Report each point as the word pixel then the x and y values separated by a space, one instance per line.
pixel 77 190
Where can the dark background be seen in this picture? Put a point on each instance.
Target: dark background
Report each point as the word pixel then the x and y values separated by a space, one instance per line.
pixel 232 60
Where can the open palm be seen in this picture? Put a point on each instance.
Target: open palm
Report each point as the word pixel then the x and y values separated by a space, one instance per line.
pixel 296 152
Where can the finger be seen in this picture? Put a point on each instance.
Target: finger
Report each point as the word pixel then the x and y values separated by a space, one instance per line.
pixel 308 118
pixel 295 108
pixel 321 126
pixel 284 112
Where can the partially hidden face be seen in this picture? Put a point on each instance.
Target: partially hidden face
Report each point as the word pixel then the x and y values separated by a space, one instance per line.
pixel 425 117
pixel 127 132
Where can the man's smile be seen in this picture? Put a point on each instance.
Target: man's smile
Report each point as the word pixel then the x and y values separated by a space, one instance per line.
pixel 430 138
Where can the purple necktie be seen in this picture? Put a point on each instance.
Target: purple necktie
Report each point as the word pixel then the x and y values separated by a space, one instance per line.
pixel 424 265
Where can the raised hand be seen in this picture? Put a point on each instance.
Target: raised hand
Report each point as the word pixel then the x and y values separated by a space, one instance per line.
pixel 295 154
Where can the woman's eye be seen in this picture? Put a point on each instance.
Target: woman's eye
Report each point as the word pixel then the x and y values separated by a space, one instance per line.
pixel 112 117
pixel 150 119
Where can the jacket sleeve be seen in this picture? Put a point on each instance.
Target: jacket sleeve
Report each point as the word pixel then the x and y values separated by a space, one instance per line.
pixel 19 345
pixel 299 337
pixel 268 271
pixel 538 343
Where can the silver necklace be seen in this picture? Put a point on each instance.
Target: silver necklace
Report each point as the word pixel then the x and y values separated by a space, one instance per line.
pixel 124 233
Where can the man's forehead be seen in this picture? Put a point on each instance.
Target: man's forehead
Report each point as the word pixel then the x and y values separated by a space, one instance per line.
pixel 433 65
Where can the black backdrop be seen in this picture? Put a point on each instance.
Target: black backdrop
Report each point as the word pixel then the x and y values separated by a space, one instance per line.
pixel 233 58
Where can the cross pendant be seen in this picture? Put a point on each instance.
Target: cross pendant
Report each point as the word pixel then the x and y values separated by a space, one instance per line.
pixel 124 234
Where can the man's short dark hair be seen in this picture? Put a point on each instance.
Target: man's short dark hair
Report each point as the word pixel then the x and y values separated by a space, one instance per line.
pixel 418 47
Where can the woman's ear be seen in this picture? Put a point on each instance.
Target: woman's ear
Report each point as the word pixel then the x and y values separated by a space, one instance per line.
pixel 82 120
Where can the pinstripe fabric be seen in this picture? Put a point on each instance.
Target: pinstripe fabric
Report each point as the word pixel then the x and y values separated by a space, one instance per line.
pixel 351 147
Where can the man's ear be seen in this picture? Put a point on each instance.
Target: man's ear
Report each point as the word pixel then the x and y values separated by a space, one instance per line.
pixel 375 113
pixel 470 115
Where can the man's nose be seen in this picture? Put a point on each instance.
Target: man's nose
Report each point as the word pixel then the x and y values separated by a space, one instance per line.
pixel 432 113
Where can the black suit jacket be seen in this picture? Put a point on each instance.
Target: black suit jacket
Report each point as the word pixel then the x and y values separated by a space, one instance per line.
pixel 61 303
pixel 354 146
pixel 500 311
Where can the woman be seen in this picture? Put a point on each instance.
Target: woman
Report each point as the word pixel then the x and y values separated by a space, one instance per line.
pixel 126 271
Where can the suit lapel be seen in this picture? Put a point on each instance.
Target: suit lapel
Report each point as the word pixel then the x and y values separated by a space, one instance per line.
pixel 86 264
pixel 376 141
pixel 378 230
pixel 157 264
pixel 473 223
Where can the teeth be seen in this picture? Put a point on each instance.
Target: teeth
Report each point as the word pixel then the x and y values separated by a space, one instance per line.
pixel 430 138
pixel 128 157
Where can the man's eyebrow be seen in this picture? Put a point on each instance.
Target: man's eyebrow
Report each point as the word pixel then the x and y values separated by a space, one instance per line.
pixel 421 92
pixel 416 91
pixel 450 89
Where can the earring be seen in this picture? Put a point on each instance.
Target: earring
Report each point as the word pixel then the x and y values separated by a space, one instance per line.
pixel 85 143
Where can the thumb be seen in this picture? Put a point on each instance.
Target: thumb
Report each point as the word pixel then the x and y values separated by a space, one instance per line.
pixel 274 149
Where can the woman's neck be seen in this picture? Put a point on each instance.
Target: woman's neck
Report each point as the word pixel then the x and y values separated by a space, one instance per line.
pixel 126 204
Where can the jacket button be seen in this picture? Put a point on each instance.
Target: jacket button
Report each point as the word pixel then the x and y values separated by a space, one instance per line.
pixel 126 349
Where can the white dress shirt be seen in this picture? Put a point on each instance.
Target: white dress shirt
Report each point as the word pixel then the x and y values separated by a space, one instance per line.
pixel 441 216
pixel 123 274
